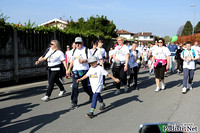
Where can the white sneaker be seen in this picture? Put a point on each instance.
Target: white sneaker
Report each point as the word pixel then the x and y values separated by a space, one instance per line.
pixel 71 85
pixel 45 98
pixel 190 86
pixel 163 86
pixel 125 88
pixel 184 90
pixel 117 92
pixel 157 89
pixel 61 93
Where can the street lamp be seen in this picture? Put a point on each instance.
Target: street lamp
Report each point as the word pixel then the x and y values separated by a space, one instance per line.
pixel 194 17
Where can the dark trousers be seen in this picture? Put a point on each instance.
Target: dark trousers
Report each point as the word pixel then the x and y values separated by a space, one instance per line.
pixel 180 64
pixel 134 73
pixel 75 92
pixel 54 78
pixel 188 76
pixel 120 74
pixel 95 97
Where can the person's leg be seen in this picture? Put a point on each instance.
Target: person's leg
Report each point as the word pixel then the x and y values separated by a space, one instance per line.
pixel 191 76
pixel 94 101
pixel 59 84
pixel 135 75
pixel 185 78
pixel 173 63
pixel 74 94
pixel 86 87
pixel 123 76
pixel 117 75
pixel 52 79
pixel 157 82
pixel 131 77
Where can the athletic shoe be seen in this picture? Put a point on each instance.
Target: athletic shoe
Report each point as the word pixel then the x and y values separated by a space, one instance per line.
pixel 61 93
pixel 163 86
pixel 157 89
pixel 117 92
pixel 190 86
pixel 184 90
pixel 102 107
pixel 73 106
pixel 125 88
pixel 71 85
pixel 90 115
pixel 136 88
pixel 45 98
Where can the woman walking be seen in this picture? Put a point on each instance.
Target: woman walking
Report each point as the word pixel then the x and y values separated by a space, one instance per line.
pixel 54 59
pixel 161 56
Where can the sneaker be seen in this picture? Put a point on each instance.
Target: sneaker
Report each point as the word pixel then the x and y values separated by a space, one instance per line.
pixel 184 90
pixel 190 86
pixel 90 115
pixel 45 98
pixel 73 106
pixel 157 89
pixel 125 88
pixel 61 93
pixel 71 85
pixel 163 86
pixel 136 88
pixel 102 107
pixel 117 92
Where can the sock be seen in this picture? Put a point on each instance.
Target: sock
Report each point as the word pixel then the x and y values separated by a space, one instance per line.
pixel 92 110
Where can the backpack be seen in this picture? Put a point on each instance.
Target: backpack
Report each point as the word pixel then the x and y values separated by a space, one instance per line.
pixel 86 52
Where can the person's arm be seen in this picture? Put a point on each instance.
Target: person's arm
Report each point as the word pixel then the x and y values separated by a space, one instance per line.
pixel 126 63
pixel 115 79
pixel 167 67
pixel 41 59
pixel 101 62
pixel 65 65
pixel 84 77
pixel 152 60
pixel 69 69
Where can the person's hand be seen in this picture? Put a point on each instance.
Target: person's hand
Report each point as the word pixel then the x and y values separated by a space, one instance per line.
pixel 67 72
pixel 167 67
pixel 81 61
pixel 125 68
pixel 37 62
pixel 116 60
pixel 78 80
pixel 149 66
pixel 117 80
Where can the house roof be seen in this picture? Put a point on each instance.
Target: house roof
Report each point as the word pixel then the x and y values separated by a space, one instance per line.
pixel 54 20
pixel 142 34
pixel 123 32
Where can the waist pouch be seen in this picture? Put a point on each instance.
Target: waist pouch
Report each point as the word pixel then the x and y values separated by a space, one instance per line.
pixel 79 73
pixel 59 65
pixel 118 64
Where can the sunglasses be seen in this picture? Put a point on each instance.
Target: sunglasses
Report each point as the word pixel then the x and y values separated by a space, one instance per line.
pixel 51 44
pixel 78 43
pixel 160 42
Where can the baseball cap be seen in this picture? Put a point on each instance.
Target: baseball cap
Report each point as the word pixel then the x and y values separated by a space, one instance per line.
pixel 92 59
pixel 78 39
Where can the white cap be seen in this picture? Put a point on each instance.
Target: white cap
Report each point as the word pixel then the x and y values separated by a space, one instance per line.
pixel 92 59
pixel 78 39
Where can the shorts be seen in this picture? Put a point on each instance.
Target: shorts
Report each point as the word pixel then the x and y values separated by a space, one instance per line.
pixel 160 72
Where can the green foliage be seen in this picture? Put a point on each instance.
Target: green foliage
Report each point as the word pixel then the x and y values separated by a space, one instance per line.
pixel 187 30
pixel 197 28
pixel 167 39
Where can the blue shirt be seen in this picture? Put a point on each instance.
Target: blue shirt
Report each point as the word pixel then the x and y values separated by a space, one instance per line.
pixel 172 48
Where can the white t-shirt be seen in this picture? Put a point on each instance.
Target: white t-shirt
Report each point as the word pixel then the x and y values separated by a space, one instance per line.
pixel 161 52
pixel 197 48
pixel 96 78
pixel 80 54
pixel 121 52
pixel 103 52
pixel 54 58
pixel 145 55
pixel 97 55
pixel 133 59
pixel 110 53
pixel 189 54
pixel 69 55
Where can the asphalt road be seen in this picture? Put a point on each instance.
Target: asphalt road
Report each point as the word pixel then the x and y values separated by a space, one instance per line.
pixel 21 108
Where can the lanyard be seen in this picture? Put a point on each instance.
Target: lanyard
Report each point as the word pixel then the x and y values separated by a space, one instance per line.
pixel 120 47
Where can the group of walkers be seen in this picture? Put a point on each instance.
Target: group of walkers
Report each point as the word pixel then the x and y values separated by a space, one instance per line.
pixel 87 66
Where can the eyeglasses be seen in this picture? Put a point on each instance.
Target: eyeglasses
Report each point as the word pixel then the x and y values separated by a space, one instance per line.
pixel 160 42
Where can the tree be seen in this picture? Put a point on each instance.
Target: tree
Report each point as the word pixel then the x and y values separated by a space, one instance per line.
pixel 197 28
pixel 187 30
pixel 180 30
pixel 3 18
pixel 167 39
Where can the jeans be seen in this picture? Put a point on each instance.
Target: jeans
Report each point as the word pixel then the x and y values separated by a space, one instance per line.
pixel 95 97
pixel 54 78
pixel 134 73
pixel 75 92
pixel 188 73
pixel 172 63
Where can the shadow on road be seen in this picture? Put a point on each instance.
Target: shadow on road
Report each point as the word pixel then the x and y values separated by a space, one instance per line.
pixel 8 114
pixel 35 122
pixel 120 102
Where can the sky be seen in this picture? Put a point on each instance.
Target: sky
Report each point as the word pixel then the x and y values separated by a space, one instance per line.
pixel 161 17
